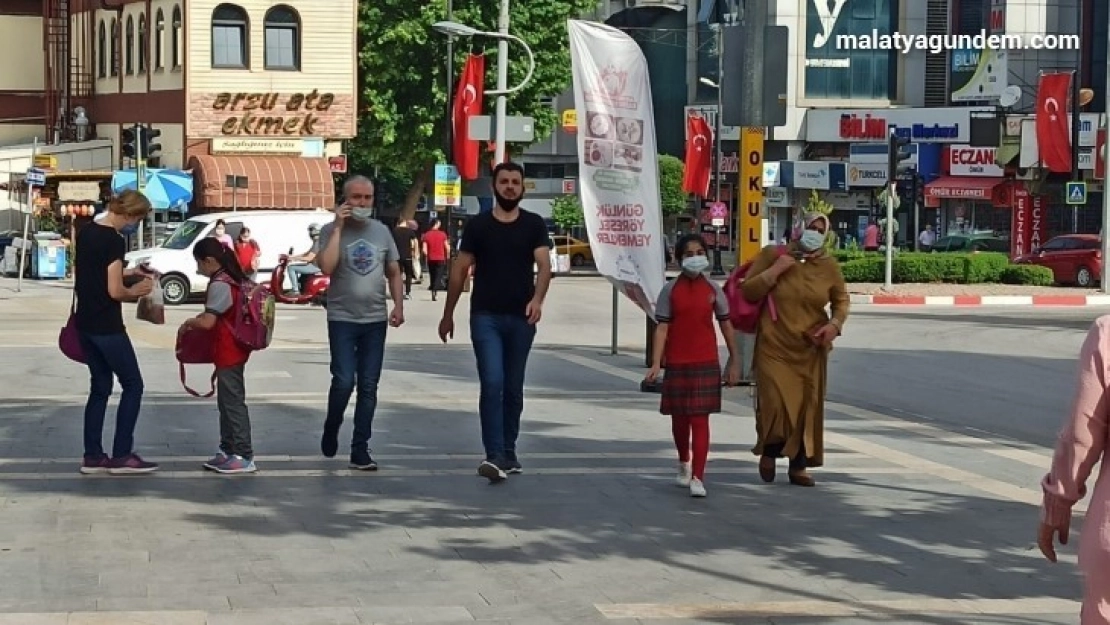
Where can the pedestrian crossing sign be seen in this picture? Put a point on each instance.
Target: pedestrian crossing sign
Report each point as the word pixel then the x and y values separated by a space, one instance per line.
pixel 1076 192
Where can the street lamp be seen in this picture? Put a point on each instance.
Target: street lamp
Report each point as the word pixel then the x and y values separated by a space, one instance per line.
pixel 455 29
pixel 718 267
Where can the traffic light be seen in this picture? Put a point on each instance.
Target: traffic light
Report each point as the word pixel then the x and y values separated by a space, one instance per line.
pixel 897 152
pixel 129 141
pixel 146 140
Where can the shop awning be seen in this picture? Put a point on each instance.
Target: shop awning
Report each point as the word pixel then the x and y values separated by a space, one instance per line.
pixel 273 182
pixel 961 188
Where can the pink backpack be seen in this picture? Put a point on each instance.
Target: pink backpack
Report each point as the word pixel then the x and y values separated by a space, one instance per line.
pixel 253 325
pixel 743 314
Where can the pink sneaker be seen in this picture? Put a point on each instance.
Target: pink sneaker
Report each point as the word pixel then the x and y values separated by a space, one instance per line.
pixel 92 465
pixel 131 464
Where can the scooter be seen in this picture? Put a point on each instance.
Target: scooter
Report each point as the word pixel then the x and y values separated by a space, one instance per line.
pixel 314 288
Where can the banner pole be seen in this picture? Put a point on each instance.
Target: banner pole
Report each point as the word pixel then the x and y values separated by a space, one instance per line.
pixel 616 309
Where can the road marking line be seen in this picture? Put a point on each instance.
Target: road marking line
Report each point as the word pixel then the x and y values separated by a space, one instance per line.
pixel 918 607
pixel 161 617
pixel 399 472
pixel 998 488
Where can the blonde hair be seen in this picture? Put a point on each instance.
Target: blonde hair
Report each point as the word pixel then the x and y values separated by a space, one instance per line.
pixel 130 204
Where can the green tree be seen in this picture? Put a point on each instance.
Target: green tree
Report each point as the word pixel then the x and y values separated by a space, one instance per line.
pixel 566 212
pixel 670 185
pixel 402 67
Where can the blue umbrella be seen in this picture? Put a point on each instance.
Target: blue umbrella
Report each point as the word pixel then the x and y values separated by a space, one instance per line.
pixel 165 188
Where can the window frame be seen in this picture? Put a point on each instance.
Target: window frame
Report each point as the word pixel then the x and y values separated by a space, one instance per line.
pixel 159 41
pixel 144 43
pixel 295 27
pixel 177 27
pixel 129 47
pixel 241 24
pixel 114 61
pixel 102 50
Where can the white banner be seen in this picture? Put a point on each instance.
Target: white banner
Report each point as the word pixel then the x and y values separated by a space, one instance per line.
pixel 618 160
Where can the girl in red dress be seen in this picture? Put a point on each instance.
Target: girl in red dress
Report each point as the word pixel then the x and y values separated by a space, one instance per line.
pixel 687 342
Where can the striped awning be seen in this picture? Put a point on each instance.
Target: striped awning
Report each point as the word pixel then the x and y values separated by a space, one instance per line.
pixel 273 182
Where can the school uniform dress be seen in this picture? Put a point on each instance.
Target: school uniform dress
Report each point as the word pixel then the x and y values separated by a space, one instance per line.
pixel 692 307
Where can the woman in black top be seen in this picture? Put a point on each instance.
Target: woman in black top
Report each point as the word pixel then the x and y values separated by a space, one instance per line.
pixel 100 289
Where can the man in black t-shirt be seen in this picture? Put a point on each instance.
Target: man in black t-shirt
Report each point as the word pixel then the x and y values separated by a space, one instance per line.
pixel 502 246
pixel 405 238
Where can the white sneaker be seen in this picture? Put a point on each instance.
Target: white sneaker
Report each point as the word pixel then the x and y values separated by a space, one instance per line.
pixel 697 489
pixel 683 478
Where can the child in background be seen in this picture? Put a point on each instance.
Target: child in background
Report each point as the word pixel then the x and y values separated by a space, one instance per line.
pixel 219 264
pixel 686 341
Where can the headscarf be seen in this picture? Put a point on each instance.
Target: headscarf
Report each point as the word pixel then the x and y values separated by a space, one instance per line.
pixel 807 221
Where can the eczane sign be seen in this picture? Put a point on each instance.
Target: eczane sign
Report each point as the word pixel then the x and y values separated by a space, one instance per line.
pixel 965 160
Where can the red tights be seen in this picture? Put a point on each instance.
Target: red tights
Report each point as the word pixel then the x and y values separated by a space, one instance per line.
pixel 694 427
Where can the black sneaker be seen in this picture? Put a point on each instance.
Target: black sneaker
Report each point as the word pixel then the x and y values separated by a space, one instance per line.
pixel 511 467
pixel 491 472
pixel 329 442
pixel 361 460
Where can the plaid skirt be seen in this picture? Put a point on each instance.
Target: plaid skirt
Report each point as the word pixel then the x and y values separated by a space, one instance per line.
pixel 692 389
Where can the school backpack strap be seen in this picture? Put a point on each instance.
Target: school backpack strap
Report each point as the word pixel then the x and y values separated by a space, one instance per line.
pixel 211 383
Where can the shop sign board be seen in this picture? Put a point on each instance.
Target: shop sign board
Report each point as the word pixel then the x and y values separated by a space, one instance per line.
pixel 965 160
pixel 750 239
pixel 866 175
pixel 920 125
pixel 1029 228
pixel 448 186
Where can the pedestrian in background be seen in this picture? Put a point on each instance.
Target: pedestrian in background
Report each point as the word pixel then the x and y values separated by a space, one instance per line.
pixel 404 236
pixel 248 253
pixel 99 289
pixel 437 249
pixel 1080 446
pixel 225 279
pixel 686 342
pixel 792 351
pixel 219 232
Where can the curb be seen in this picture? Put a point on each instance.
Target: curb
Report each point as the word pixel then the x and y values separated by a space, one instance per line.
pixel 1074 301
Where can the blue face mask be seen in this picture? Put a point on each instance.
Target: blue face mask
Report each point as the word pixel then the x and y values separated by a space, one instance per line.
pixel 129 229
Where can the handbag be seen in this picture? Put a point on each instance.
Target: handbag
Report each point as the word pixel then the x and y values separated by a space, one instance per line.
pixel 69 339
pixel 196 347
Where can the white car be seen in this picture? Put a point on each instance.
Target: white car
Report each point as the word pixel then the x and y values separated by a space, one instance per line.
pixel 276 232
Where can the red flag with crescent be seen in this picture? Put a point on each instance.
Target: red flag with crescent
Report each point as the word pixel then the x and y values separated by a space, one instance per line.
pixel 698 166
pixel 467 104
pixel 1053 129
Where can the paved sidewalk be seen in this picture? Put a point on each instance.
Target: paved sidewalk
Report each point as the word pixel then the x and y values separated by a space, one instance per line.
pixel 910 523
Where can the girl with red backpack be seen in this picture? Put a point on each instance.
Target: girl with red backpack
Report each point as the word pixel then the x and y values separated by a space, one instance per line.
pixel 226 279
pixel 686 340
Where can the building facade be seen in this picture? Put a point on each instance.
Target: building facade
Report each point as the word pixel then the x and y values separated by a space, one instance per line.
pixel 254 89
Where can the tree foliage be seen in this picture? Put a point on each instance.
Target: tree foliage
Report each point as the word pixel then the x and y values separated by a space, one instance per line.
pixel 402 83
pixel 566 211
pixel 670 185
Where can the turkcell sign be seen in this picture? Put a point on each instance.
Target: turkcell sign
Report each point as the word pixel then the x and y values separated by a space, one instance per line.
pixel 860 175
pixel 876 128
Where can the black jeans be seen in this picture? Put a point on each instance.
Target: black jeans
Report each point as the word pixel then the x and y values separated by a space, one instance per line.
pixel 435 271
pixel 410 274
pixel 797 463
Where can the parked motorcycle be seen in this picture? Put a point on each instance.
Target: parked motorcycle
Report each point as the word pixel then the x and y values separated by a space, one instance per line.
pixel 314 288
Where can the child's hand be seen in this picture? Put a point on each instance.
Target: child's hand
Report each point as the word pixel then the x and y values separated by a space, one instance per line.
pixel 732 373
pixel 652 374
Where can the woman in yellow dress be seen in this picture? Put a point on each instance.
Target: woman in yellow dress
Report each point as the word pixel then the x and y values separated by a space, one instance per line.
pixel 792 347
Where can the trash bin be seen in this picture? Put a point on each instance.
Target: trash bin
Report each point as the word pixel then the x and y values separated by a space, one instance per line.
pixel 48 257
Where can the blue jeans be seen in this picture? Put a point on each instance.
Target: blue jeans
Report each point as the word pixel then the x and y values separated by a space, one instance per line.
pixel 357 352
pixel 297 271
pixel 111 356
pixel 501 347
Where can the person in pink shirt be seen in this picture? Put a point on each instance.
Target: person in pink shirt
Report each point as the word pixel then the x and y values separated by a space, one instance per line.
pixel 1080 446
pixel 871 237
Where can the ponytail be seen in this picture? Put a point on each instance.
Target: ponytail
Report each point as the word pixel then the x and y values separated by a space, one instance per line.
pixel 210 247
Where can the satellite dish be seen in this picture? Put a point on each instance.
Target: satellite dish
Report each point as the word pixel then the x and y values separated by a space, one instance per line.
pixel 1085 96
pixel 1010 96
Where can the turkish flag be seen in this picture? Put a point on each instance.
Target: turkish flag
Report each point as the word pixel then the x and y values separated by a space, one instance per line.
pixel 467 104
pixel 1053 129
pixel 697 169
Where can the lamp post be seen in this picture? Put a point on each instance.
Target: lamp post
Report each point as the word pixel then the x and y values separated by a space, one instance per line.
pixel 503 90
pixel 718 266
pixel 1105 232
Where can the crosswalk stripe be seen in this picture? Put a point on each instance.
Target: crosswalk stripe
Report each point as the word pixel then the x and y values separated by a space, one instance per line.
pixel 845 607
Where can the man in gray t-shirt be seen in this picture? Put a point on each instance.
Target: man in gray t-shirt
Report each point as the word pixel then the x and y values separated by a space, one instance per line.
pixel 361 257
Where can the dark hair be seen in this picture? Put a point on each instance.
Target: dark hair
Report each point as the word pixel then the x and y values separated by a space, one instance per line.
pixel 220 222
pixel 685 241
pixel 435 222
pixel 209 247
pixel 507 166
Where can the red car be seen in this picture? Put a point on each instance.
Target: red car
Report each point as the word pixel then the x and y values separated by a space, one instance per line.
pixel 1073 259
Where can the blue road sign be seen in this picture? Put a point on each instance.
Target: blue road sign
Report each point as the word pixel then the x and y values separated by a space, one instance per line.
pixel 36 177
pixel 1076 192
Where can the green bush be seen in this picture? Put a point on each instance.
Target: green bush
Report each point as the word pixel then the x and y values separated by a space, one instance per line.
pixel 1031 275
pixel 918 267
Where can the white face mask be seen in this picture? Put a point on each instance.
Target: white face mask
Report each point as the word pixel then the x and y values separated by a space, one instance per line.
pixel 693 265
pixel 361 214
pixel 812 240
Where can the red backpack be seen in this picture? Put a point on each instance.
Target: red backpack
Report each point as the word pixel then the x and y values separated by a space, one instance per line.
pixel 252 328
pixel 743 314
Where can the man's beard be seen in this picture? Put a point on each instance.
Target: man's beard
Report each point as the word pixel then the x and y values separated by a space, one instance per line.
pixel 507 203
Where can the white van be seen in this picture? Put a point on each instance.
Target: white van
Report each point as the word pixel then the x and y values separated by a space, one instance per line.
pixel 274 231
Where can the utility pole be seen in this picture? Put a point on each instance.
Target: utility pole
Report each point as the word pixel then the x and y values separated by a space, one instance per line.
pixel 502 82
pixel 140 174
pixel 718 268
pixel 1075 120
pixel 895 155
pixel 1105 232
pixel 751 98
